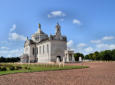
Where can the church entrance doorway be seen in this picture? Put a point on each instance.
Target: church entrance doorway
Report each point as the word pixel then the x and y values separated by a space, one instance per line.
pixel 59 59
pixel 70 57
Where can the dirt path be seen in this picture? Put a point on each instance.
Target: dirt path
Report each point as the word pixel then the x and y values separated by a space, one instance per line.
pixel 98 74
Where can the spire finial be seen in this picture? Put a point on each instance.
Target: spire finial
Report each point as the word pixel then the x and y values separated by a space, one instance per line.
pixel 39 25
pixel 27 38
pixel 39 28
pixel 57 26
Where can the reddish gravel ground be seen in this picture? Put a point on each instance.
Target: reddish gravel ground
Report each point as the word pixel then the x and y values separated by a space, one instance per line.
pixel 99 73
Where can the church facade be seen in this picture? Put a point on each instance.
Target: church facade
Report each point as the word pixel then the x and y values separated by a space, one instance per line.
pixel 43 48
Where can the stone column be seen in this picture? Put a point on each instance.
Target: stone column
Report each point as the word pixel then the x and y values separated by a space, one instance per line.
pixel 64 59
pixel 67 57
pixel 57 60
pixel 29 59
pixel 80 59
pixel 73 59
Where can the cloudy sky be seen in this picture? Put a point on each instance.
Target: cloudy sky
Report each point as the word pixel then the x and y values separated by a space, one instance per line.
pixel 88 24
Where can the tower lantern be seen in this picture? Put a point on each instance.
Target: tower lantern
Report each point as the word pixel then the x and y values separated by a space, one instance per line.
pixel 39 26
pixel 58 29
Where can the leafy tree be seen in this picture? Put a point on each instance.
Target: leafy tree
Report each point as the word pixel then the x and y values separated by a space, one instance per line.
pixel 86 57
pixel 2 59
pixel 113 54
pixel 96 56
pixel 103 55
pixel 107 55
pixel 9 59
pixel 77 55
pixel 91 56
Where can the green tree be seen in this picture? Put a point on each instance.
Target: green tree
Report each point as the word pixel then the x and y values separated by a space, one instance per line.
pixel 103 55
pixel 95 56
pixel 113 54
pixel 9 59
pixel 86 57
pixel 107 55
pixel 77 55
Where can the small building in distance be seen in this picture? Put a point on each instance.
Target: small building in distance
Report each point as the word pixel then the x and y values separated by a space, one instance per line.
pixel 42 48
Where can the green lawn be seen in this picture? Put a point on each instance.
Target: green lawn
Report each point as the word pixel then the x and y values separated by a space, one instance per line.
pixel 36 68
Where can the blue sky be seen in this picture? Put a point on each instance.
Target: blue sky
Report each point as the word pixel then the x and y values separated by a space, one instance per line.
pixel 88 24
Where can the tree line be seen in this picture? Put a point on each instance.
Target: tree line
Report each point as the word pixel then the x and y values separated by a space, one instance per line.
pixel 107 55
pixel 9 59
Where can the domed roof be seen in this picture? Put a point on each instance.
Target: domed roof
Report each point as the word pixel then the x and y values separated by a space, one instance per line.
pixel 39 32
pixel 39 35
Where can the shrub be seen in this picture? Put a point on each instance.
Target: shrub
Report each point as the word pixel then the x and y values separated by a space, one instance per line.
pixel 28 68
pixel 25 67
pixel 18 67
pixel 3 68
pixel 11 68
pixel 0 68
pixel 1 65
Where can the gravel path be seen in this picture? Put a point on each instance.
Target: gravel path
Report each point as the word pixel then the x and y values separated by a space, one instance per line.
pixel 101 73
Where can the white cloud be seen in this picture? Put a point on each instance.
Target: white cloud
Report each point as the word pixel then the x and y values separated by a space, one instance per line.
pixel 13 28
pixel 14 35
pixel 88 49
pixel 101 40
pixel 9 52
pixel 95 41
pixel 105 46
pixel 102 46
pixel 76 21
pixel 99 45
pixel 70 43
pixel 56 14
pixel 4 48
pixel 108 38
pixel 112 46
pixel 3 42
pixel 62 19
pixel 80 45
pixel 12 53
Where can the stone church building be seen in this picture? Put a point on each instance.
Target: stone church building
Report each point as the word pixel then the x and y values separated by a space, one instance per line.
pixel 43 48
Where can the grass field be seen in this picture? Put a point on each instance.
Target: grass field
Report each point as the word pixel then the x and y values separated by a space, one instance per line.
pixel 23 68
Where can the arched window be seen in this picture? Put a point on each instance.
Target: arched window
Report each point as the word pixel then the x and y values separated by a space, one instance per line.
pixel 33 51
pixel 36 50
pixel 40 49
pixel 47 48
pixel 43 49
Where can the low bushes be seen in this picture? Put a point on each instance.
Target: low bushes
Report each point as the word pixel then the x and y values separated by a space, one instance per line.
pixel 18 67
pixel 11 68
pixel 3 68
pixel 27 68
pixel 15 67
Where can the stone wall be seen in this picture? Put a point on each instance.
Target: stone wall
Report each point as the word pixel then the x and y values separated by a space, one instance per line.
pixel 44 51
pixel 57 49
